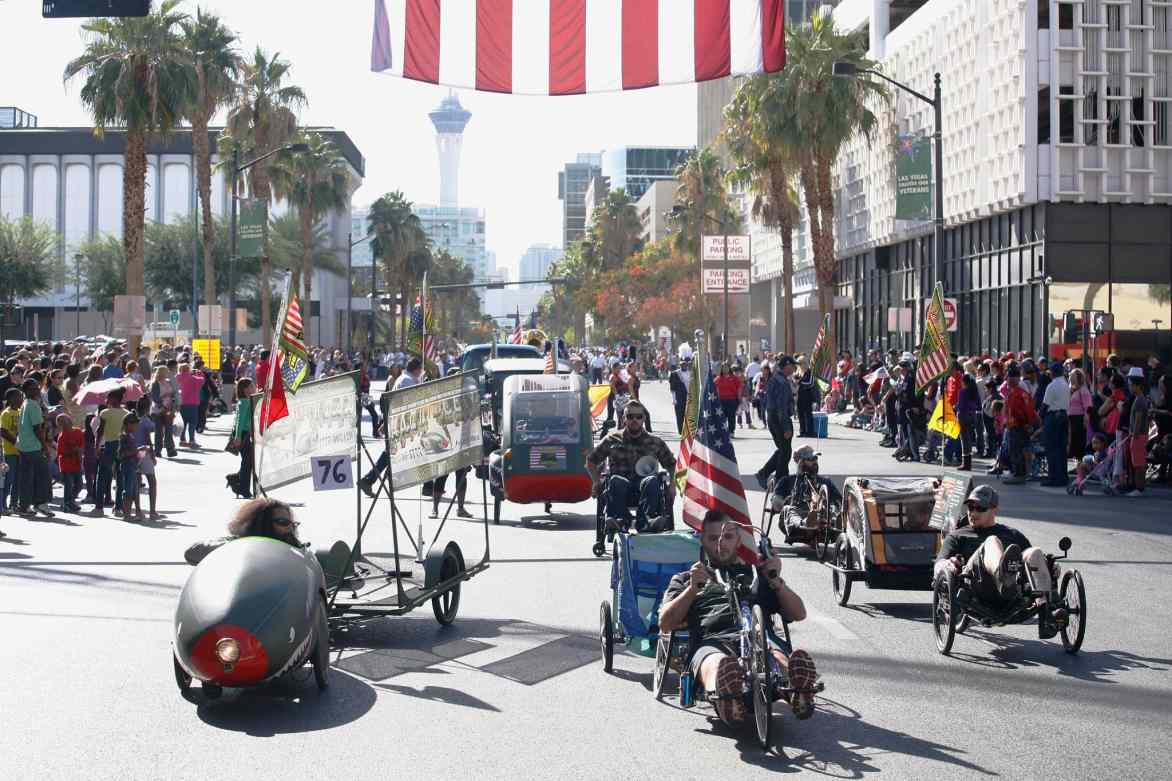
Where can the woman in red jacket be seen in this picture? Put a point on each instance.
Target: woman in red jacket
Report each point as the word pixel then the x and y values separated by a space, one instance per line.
pixel 728 389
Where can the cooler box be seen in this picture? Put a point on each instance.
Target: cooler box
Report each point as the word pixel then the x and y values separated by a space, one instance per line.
pixel 821 425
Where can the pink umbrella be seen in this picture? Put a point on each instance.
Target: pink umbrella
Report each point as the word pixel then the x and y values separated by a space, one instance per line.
pixel 95 392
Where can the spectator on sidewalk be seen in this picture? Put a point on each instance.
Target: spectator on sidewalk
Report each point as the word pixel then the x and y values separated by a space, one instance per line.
pixel 1077 414
pixel 1020 419
pixel 70 444
pixel 1056 428
pixel 31 441
pixel 9 430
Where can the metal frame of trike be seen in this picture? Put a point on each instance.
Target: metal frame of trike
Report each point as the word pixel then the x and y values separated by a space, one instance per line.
pixel 361 605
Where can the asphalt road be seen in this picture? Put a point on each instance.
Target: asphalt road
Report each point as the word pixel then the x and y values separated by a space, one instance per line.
pixel 515 688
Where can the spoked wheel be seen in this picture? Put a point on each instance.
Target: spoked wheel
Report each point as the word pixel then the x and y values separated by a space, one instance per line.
pixel 823 540
pixel 839 580
pixel 762 683
pixel 447 604
pixel 1074 596
pixel 321 654
pixel 944 618
pixel 182 678
pixel 606 636
pixel 599 549
pixel 662 659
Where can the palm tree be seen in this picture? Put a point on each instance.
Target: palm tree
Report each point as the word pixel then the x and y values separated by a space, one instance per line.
pixel 815 114
pixel 213 56
pixel 316 182
pixel 615 230
pixel 766 166
pixel 701 202
pixel 396 233
pixel 264 118
pixel 137 77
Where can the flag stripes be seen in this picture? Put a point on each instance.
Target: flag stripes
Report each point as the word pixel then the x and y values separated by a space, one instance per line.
pixel 565 47
pixel 935 356
pixel 822 356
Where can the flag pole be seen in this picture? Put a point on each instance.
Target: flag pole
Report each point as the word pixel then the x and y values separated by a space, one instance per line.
pixel 273 359
pixel 423 325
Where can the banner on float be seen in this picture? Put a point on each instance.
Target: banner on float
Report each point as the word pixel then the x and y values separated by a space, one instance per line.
pixel 321 422
pixel 433 429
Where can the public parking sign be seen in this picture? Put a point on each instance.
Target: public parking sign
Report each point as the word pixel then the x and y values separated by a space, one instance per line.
pixel 713 248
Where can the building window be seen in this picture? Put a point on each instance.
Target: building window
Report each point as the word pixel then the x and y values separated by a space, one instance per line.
pixel 1066 116
pixel 1043 114
pixel 1043 14
pixel 1065 16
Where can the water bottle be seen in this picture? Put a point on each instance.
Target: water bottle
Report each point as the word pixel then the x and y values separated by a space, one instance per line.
pixel 686 697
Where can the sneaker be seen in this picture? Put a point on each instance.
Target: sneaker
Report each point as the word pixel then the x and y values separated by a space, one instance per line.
pixel 1047 626
pixel 730 686
pixel 366 485
pixel 802 675
pixel 44 510
pixel 1009 570
pixel 462 513
pixel 433 514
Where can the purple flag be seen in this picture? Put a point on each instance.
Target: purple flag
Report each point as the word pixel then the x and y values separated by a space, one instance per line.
pixel 380 46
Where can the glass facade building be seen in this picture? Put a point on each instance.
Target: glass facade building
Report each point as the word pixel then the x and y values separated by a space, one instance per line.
pixel 573 181
pixel 634 168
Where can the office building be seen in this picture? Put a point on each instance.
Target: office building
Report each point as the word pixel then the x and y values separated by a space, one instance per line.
pixel 634 168
pixel 534 264
pixel 1057 174
pixel 70 180
pixel 654 207
pixel 596 193
pixel 460 231
pixel 573 181
pixel 449 119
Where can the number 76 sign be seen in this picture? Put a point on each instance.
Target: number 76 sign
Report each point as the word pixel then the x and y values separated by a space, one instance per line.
pixel 332 473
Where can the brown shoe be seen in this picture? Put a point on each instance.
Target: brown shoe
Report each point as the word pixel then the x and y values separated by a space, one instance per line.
pixel 730 687
pixel 803 676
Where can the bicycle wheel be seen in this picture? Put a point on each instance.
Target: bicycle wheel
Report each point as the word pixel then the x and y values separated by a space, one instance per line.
pixel 1075 600
pixel 662 658
pixel 944 618
pixel 606 636
pixel 823 538
pixel 762 680
pixel 840 581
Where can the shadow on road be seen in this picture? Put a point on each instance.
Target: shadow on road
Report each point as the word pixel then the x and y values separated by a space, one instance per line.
pixel 1011 653
pixel 442 694
pixel 907 611
pixel 836 742
pixel 287 707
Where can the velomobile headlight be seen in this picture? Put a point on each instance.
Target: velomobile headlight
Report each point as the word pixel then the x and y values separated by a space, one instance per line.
pixel 228 650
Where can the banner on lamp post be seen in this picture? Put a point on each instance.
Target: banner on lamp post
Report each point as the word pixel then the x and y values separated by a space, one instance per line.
pixel 913 178
pixel 253 227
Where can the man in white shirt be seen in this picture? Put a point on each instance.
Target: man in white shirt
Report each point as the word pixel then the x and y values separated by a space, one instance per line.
pixel 597 365
pixel 752 370
pixel 1055 429
pixel 412 376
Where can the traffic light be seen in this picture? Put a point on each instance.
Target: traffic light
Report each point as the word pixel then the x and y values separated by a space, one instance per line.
pixel 77 9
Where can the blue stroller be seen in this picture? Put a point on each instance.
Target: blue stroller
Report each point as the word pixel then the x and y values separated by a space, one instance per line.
pixel 643 567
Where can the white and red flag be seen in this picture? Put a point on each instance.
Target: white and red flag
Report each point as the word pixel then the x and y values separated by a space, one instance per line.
pixel 713 479
pixel 569 47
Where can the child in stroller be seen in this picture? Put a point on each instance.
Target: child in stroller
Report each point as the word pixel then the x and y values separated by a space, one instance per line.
pixel 1096 467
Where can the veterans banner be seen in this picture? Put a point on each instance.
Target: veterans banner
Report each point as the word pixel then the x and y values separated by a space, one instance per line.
pixel 321 421
pixel 433 429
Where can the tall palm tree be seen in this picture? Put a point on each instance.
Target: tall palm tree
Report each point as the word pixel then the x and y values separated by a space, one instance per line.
pixel 316 182
pixel 615 230
pixel 816 114
pixel 767 167
pixel 136 77
pixel 396 232
pixel 212 50
pixel 264 118
pixel 702 202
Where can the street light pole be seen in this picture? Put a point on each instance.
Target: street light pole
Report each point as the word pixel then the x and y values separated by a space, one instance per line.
pixel 232 254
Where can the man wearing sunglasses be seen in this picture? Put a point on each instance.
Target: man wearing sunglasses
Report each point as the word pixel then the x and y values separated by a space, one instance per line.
pixel 624 487
pixel 991 555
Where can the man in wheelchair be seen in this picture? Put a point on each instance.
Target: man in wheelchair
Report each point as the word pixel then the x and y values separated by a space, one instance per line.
pixel 623 487
pixel 797 496
pixel 698 601
pixel 994 559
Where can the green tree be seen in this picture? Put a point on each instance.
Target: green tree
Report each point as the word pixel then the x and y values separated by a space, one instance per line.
pixel 615 230
pixel 288 247
pixel 212 56
pixel 137 77
pixel 701 202
pixel 805 108
pixel 28 258
pixel 315 182
pixel 454 309
pixel 104 271
pixel 172 256
pixel 264 118
pixel 766 166
pixel 399 241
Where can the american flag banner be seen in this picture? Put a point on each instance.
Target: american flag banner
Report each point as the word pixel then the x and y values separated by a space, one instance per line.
pixel 822 356
pixel 713 479
pixel 570 47
pixel 935 355
pixel 551 359
pixel 294 361
pixel 517 336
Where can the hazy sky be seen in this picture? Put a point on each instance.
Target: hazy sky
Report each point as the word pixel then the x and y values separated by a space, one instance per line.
pixel 513 147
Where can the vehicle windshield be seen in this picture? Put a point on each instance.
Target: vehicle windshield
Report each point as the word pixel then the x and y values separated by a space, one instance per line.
pixel 474 359
pixel 540 418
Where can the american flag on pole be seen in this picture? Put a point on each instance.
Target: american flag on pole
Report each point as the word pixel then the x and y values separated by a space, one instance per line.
pixel 294 356
pixel 935 356
pixel 822 356
pixel 569 47
pixel 713 479
pixel 551 360
pixel 517 336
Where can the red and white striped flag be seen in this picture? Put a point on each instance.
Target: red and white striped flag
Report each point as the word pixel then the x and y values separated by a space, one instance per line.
pixel 569 47
pixel 516 337
pixel 713 479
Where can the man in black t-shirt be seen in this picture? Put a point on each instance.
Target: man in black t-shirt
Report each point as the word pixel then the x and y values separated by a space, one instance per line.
pixel 698 600
pixel 991 555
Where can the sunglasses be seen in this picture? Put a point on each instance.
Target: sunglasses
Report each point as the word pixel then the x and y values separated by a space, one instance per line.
pixel 978 507
pixel 634 417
